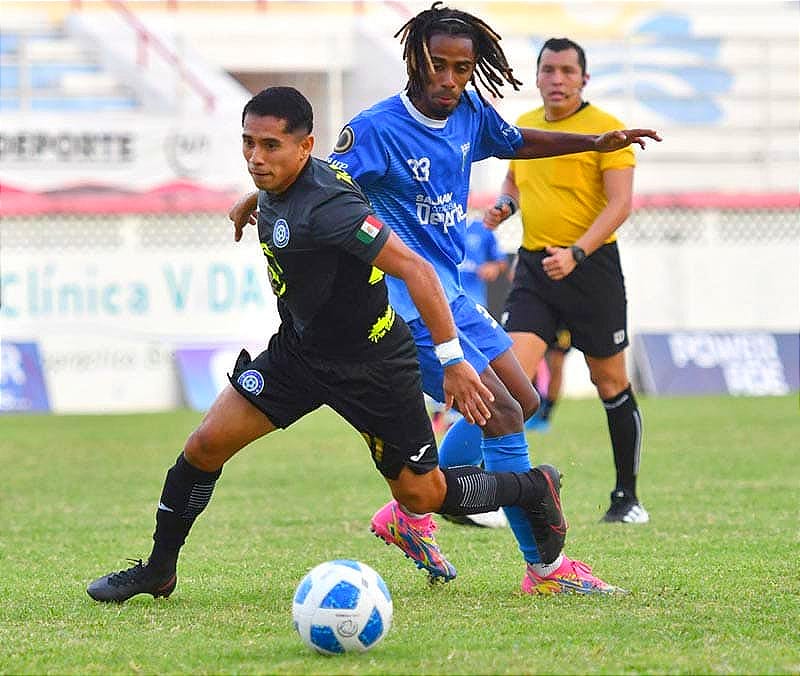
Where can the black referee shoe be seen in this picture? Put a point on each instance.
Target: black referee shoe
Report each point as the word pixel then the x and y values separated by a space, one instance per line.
pixel 138 579
pixel 625 508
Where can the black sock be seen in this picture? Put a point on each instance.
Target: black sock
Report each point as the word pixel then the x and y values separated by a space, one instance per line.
pixel 472 490
pixel 625 428
pixel 187 491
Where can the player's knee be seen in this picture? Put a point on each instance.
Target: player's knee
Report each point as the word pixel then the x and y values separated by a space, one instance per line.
pixel 507 416
pixel 200 451
pixel 609 387
pixel 531 404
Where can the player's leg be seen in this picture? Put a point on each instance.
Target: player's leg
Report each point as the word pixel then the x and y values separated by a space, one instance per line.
pixel 390 414
pixel 530 350
pixel 554 359
pixel 502 442
pixel 244 411
pixel 532 315
pixel 555 573
pixel 418 487
pixel 230 424
pixel 610 377
pixel 461 444
pixel 504 448
pixel 597 319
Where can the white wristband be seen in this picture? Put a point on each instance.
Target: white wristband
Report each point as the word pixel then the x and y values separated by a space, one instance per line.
pixel 449 353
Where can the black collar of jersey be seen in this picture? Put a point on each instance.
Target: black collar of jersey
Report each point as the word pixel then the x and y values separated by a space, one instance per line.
pixel 583 105
pixel 273 197
pixel 580 108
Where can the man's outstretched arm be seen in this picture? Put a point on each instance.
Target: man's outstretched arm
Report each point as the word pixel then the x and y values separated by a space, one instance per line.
pixel 537 143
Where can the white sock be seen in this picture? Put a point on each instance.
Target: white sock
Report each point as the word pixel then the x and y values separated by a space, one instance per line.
pixel 413 515
pixel 545 569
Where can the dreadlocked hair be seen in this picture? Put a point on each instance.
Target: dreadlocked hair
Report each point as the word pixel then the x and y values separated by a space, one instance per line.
pixel 491 65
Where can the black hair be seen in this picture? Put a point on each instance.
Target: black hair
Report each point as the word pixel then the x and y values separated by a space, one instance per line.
pixel 559 45
pixel 284 103
pixel 490 61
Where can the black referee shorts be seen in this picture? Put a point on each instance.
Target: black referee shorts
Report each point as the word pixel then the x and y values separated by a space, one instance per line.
pixel 382 399
pixel 590 302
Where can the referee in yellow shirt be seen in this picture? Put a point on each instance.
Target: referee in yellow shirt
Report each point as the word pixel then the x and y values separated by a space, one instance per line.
pixel 568 271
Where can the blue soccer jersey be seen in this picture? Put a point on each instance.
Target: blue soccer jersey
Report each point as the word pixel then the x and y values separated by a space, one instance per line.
pixel 415 171
pixel 480 246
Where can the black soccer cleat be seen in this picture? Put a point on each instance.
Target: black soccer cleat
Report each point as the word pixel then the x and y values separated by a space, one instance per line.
pixel 138 579
pixel 547 520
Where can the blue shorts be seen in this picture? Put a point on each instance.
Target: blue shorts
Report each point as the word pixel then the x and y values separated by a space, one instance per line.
pixel 481 336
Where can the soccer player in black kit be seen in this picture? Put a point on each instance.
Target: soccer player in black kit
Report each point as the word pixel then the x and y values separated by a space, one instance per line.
pixel 339 343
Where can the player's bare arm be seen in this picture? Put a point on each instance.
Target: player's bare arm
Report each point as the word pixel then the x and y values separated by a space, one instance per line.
pixel 462 385
pixel 537 143
pixel 243 212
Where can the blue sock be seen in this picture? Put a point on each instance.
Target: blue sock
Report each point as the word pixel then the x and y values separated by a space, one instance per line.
pixel 509 453
pixel 461 445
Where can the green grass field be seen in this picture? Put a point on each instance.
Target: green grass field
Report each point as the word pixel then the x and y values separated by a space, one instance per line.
pixel 714 577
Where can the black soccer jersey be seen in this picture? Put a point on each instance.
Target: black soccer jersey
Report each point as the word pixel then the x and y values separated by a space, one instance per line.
pixel 320 238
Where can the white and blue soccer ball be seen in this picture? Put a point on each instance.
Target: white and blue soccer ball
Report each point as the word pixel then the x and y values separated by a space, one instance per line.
pixel 342 606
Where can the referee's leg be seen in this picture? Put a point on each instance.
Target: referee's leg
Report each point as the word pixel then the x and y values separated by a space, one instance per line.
pixel 610 377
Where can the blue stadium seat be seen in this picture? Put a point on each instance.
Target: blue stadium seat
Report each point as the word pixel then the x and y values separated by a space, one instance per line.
pixel 9 43
pixel 82 103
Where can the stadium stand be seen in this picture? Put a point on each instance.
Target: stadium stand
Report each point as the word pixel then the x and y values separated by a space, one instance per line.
pixel 44 69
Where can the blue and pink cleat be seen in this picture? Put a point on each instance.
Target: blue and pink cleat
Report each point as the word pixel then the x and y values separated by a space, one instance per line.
pixel 571 577
pixel 414 537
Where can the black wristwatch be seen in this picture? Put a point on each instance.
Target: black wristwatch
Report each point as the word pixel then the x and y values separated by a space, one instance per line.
pixel 578 254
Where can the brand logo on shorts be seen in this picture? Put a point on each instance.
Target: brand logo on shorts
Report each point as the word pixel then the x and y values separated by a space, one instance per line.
pixel 619 336
pixel 251 381
pixel 280 233
pixel 418 456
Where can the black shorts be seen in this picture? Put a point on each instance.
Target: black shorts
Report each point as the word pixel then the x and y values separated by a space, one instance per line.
pixel 381 399
pixel 590 302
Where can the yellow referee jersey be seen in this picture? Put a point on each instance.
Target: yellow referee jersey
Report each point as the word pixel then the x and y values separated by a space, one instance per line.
pixel 561 196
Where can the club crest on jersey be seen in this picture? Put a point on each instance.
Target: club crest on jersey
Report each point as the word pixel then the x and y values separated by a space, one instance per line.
pixel 251 381
pixel 280 233
pixel 345 140
pixel 369 230
pixel 421 168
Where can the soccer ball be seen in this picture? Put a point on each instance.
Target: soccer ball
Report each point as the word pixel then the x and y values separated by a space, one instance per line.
pixel 342 606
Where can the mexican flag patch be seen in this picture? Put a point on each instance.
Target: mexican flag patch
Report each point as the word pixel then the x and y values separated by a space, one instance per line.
pixel 369 230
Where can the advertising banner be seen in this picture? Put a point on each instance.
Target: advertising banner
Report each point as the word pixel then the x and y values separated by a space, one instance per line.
pixel 736 362
pixel 204 371
pixel 22 386
pixel 107 323
pixel 124 151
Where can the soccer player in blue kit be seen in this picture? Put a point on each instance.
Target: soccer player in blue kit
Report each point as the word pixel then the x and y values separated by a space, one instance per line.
pixel 412 155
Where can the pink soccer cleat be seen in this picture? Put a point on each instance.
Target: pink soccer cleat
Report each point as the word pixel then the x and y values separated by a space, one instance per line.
pixel 571 577
pixel 414 537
